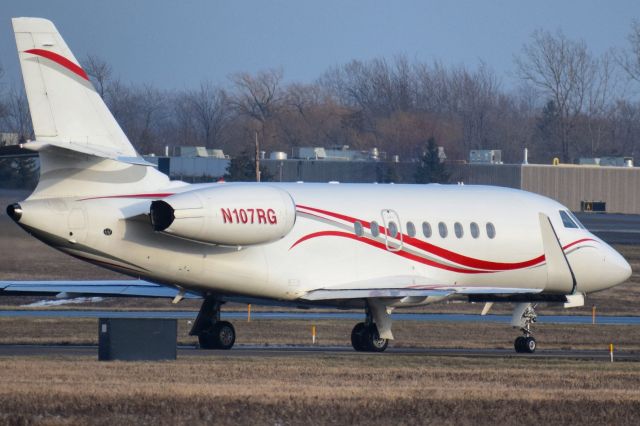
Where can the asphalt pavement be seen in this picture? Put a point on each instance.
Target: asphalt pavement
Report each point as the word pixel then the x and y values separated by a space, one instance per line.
pixel 313 351
pixel 613 228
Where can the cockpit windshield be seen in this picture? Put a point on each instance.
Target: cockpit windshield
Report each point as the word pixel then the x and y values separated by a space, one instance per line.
pixel 569 220
pixel 575 219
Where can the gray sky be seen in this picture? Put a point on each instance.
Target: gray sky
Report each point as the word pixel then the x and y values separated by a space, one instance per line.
pixel 176 44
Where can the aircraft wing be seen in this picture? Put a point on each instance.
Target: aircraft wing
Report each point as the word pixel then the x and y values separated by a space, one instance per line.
pixel 408 286
pixel 103 288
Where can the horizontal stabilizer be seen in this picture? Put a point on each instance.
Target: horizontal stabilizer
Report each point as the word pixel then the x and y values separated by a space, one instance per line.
pixel 96 151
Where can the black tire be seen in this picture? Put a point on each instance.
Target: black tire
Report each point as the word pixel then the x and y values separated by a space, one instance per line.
pixel 372 340
pixel 519 344
pixel 207 340
pixel 529 345
pixel 357 337
pixel 224 334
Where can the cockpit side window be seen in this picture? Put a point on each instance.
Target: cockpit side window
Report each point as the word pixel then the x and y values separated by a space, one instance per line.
pixel 575 219
pixel 567 221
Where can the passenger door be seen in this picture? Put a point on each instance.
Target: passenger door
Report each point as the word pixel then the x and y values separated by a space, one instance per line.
pixel 393 230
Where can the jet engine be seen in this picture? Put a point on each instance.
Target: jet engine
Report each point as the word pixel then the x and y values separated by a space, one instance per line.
pixel 228 214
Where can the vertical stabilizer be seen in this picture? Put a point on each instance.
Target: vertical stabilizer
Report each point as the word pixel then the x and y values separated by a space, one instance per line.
pixel 83 151
pixel 64 106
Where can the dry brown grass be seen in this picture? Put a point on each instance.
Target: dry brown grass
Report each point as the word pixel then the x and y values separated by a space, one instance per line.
pixel 334 388
pixel 330 389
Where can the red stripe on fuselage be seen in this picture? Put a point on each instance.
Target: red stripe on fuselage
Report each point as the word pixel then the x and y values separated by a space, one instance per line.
pixel 60 60
pixel 381 246
pixel 152 195
pixel 444 253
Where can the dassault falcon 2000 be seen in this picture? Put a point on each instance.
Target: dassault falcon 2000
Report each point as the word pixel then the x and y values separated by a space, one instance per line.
pixel 375 247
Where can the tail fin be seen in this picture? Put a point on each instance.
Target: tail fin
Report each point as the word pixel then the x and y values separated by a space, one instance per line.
pixel 65 108
pixel 83 150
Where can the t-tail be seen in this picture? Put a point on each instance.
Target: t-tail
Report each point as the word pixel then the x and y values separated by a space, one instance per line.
pixel 83 151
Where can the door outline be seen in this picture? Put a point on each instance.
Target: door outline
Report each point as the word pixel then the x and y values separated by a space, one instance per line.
pixel 77 224
pixel 392 244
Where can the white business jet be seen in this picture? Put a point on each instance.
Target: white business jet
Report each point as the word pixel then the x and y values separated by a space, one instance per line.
pixel 375 247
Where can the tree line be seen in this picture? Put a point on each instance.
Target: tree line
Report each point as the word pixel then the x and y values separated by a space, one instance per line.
pixel 568 102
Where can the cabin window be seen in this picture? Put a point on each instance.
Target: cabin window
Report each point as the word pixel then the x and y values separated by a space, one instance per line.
pixel 393 229
pixel 457 228
pixel 426 229
pixel 491 230
pixel 411 229
pixel 475 230
pixel 357 228
pixel 442 229
pixel 567 221
pixel 375 229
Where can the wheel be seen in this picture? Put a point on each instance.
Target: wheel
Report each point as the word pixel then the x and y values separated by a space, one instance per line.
pixel 529 345
pixel 357 337
pixel 221 336
pixel 372 340
pixel 224 334
pixel 519 344
pixel 207 340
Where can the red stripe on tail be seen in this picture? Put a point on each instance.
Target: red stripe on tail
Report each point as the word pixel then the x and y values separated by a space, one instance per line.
pixel 60 60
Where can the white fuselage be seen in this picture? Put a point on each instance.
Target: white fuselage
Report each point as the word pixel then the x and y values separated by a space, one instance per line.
pixel 331 242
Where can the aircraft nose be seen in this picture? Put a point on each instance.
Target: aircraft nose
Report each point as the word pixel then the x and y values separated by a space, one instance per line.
pixel 618 269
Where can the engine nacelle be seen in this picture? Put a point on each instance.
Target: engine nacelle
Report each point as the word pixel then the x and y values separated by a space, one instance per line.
pixel 228 214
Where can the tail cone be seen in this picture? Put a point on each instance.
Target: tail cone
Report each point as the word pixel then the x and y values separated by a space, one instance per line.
pixel 15 212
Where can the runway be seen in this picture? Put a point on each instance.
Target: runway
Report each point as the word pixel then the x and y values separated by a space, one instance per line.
pixel 312 351
pixel 191 315
pixel 613 228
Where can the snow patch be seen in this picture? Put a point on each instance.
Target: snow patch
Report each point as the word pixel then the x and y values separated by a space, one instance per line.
pixel 74 301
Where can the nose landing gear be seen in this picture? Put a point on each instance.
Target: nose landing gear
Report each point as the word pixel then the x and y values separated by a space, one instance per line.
pixel 524 316
pixel 365 336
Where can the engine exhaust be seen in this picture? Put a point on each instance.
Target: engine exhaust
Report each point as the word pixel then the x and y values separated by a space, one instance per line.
pixel 161 215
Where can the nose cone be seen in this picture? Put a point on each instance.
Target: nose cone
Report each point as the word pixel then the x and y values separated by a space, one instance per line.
pixel 14 211
pixel 617 268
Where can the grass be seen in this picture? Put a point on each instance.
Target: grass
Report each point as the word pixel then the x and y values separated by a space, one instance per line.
pixel 344 388
pixel 332 389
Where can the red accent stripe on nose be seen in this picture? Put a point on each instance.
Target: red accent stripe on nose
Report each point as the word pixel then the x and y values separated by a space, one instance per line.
pixel 60 60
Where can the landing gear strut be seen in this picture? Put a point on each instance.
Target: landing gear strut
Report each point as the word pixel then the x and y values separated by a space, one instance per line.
pixel 523 316
pixel 212 333
pixel 365 336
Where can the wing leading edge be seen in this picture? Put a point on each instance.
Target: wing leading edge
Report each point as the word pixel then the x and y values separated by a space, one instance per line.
pixel 408 286
pixel 105 288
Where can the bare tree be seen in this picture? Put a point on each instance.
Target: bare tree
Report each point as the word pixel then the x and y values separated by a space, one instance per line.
pixel 210 111
pixel 600 94
pixel 141 112
pixel 563 71
pixel 259 97
pixel 4 110
pixel 99 71
pixel 629 60
pixel 18 118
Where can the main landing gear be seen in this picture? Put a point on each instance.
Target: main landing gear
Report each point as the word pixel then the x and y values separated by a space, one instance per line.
pixel 365 336
pixel 523 316
pixel 212 333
